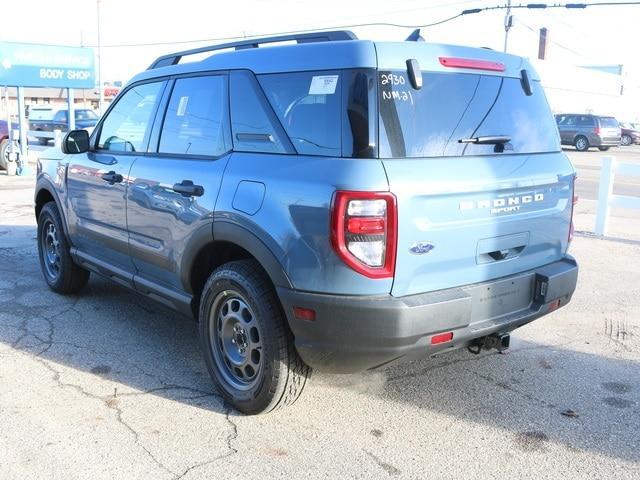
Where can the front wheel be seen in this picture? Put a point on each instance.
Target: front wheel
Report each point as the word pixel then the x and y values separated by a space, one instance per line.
pixel 603 149
pixel 626 140
pixel 60 272
pixel 245 341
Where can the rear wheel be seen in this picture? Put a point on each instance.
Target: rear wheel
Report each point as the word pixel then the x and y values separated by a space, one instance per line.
pixel 626 140
pixel 581 143
pixel 603 149
pixel 247 346
pixel 60 272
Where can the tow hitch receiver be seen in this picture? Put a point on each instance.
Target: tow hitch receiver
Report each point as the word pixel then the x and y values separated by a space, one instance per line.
pixel 498 341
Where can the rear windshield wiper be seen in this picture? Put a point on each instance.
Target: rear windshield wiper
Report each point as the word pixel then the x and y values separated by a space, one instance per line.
pixel 489 140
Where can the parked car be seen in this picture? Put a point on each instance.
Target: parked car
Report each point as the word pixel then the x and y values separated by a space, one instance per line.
pixel 4 142
pixel 336 204
pixel 584 131
pixel 48 121
pixel 630 133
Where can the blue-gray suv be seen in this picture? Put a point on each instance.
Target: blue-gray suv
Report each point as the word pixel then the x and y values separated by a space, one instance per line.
pixel 327 203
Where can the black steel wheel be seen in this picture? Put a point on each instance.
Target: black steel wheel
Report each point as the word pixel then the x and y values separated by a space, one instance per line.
pixel 236 339
pixel 246 341
pixel 60 272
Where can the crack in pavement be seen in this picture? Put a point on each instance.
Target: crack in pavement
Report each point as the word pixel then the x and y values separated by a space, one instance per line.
pixel 47 342
pixel 231 450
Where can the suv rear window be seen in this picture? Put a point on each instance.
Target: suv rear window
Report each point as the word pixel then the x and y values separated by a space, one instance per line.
pixel 450 106
pixel 609 122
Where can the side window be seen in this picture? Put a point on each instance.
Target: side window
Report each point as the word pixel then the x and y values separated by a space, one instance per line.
pixel 585 121
pixel 308 105
pixel 196 119
pixel 127 125
pixel 61 116
pixel 254 129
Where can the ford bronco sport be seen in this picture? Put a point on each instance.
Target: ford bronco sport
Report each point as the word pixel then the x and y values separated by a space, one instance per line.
pixel 334 204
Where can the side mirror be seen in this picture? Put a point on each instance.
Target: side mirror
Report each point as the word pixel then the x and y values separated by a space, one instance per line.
pixel 76 141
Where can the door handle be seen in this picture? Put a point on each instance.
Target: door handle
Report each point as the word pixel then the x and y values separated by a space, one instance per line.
pixel 111 177
pixel 186 188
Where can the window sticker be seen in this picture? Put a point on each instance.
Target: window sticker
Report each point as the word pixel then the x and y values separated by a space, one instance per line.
pixel 182 106
pixel 323 85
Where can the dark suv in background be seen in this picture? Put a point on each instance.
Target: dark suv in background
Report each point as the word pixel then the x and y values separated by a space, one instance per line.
pixel 584 131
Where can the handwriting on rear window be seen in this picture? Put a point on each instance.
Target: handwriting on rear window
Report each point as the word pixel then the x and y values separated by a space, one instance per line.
pixel 389 83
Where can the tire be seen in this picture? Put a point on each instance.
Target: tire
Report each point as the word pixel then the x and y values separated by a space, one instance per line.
pixel 626 140
pixel 59 271
pixel 581 143
pixel 603 149
pixel 246 342
pixel 4 145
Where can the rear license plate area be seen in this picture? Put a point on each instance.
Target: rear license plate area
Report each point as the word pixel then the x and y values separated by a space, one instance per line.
pixel 496 299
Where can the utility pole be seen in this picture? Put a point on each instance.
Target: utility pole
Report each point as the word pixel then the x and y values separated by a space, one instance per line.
pixel 508 23
pixel 100 88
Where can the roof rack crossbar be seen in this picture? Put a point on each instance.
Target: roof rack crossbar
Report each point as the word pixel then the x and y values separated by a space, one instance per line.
pixel 330 36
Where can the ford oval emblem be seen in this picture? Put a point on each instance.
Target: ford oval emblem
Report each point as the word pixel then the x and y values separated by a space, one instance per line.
pixel 420 248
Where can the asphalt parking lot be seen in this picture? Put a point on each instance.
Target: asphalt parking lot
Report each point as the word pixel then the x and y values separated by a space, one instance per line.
pixel 110 385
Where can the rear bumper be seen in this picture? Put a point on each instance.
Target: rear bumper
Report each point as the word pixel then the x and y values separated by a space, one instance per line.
pixel 597 141
pixel 356 333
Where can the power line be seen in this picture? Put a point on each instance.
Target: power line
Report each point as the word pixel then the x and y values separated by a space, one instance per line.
pixel 290 32
pixel 564 47
pixel 380 24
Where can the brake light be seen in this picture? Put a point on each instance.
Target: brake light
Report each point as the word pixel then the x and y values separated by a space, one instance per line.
pixel 364 231
pixel 472 63
pixel 597 130
pixel 574 202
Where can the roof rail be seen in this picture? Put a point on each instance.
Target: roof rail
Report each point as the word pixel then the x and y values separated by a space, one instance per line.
pixel 331 36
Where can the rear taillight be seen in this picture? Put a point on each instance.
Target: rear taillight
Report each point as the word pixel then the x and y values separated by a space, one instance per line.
pixel 574 201
pixel 597 130
pixel 364 231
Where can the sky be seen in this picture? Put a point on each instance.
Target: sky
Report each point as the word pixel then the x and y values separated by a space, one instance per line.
pixel 596 35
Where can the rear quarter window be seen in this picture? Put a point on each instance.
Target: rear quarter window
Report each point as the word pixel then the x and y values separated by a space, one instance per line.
pixel 308 105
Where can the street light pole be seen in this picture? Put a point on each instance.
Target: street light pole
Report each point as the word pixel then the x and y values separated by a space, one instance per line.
pixel 507 24
pixel 100 88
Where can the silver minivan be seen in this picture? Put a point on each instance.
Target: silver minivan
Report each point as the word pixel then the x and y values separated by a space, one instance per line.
pixel 584 131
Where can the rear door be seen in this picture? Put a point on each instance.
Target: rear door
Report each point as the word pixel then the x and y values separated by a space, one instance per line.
pixel 173 189
pixel 470 212
pixel 609 129
pixel 97 181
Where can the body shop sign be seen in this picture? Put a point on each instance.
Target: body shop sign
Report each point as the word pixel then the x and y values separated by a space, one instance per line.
pixel 32 65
